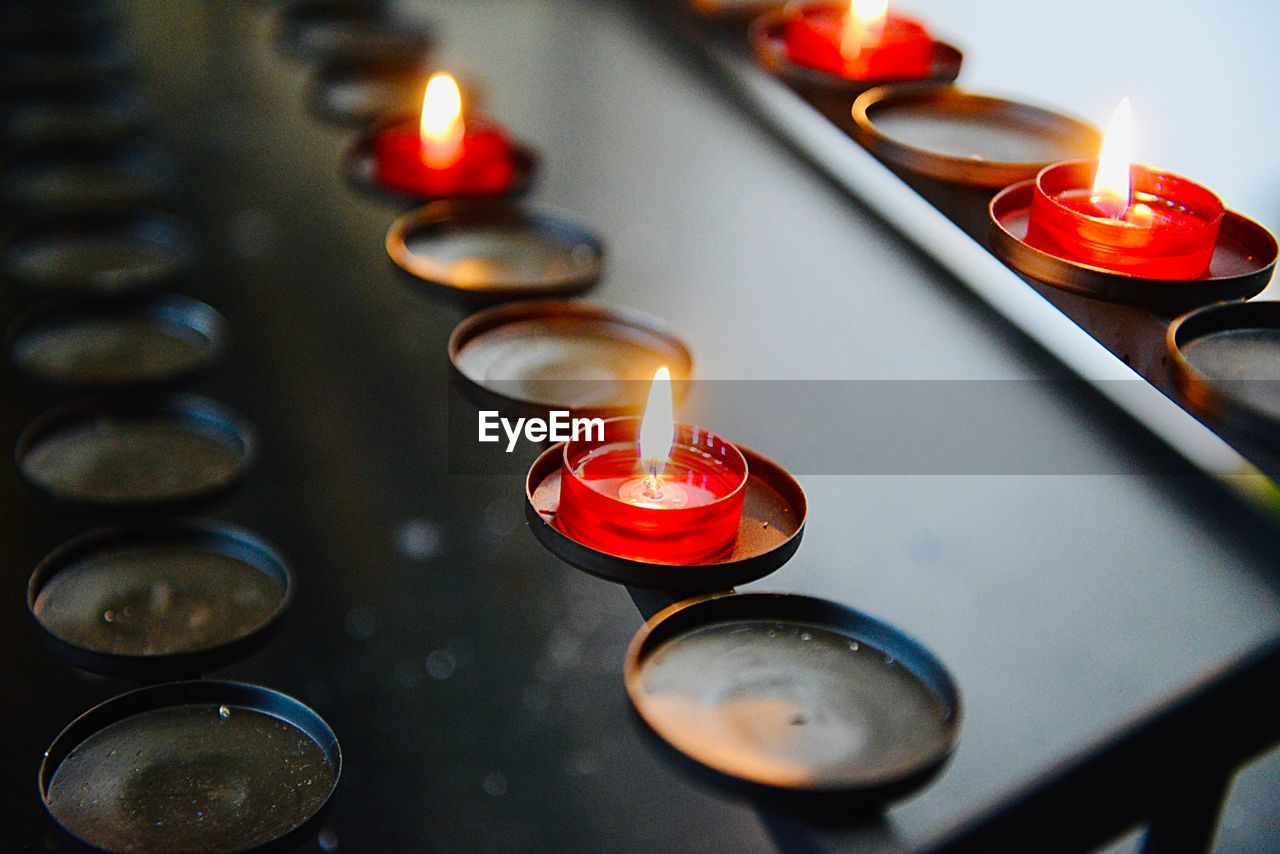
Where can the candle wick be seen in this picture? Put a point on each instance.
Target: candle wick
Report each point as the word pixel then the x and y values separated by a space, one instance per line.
pixel 652 485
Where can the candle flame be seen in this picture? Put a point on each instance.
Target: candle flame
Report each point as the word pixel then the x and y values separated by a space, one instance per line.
pixel 1111 183
pixel 441 126
pixel 863 25
pixel 658 426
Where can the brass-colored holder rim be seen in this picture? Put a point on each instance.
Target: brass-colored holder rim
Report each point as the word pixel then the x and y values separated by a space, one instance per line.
pixel 552 225
pixel 1205 394
pixel 636 327
pixel 1243 261
pixel 970 171
pixel 685 618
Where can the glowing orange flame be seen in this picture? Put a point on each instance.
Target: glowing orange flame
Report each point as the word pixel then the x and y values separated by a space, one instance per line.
pixel 863 26
pixel 1111 183
pixel 441 126
pixel 658 426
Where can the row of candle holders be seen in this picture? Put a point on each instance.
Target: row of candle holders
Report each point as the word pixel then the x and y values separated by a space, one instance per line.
pixel 701 517
pixel 1115 245
pixel 151 597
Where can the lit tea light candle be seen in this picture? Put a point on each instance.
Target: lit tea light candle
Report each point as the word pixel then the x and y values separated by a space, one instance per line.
pixel 862 41
pixel 444 152
pixel 653 489
pixel 1123 217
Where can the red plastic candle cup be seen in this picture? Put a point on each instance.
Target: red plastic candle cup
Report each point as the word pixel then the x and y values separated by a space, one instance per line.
pixel 690 515
pixel 443 153
pixel 484 165
pixel 1169 229
pixel 830 38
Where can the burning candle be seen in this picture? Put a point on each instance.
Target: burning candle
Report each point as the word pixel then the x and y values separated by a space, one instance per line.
pixel 653 489
pixel 1124 217
pixel 863 41
pixel 444 153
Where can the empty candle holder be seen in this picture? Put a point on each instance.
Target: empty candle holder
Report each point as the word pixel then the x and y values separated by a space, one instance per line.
pixel 1225 360
pixel 192 766
pixel 81 174
pixel 104 252
pixel 134 343
pixel 159 600
pixel 128 452
pixel 792 699
pixel 70 106
pixel 323 30
pixel 957 148
pixel 495 250
pixel 536 356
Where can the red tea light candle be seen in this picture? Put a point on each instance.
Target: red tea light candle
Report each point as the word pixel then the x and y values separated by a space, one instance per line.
pixel 652 489
pixel 861 41
pixel 1124 217
pixel 444 153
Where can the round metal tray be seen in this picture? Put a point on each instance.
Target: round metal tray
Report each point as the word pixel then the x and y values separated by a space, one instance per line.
pixel 772 524
pixel 948 134
pixel 103 252
pixel 131 452
pixel 159 600
pixel 1242 265
pixel 789 697
pixel 142 342
pixel 496 250
pixel 321 30
pixel 1226 362
pixel 540 355
pixel 193 766
pixel 769 45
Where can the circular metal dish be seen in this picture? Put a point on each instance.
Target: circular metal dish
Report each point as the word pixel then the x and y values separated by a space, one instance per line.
pixel 1226 362
pixel 1242 265
pixel 560 354
pixel 948 134
pixel 159 600
pixel 114 344
pixel 769 534
pixel 495 249
pixel 68 107
pixel 768 43
pixel 788 696
pixel 106 252
pixel 130 452
pixel 192 766
pixel 321 30
pixel 79 174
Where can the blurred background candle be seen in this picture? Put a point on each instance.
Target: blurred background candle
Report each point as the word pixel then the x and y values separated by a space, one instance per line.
pixel 444 152
pixel 862 41
pixel 1124 217
pixel 653 489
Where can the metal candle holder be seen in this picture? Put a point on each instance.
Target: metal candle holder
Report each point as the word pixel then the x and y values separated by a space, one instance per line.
pixel 185 744
pixel 1243 261
pixel 768 535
